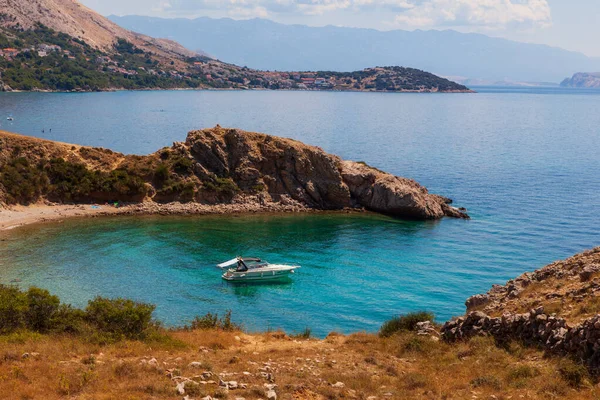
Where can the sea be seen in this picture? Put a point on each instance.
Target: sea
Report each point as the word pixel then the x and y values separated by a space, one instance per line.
pixel 525 162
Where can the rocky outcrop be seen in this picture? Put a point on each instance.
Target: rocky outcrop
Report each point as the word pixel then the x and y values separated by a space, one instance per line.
pixel 584 80
pixel 575 280
pixel 309 175
pixel 535 328
pixel 385 193
pixel 218 166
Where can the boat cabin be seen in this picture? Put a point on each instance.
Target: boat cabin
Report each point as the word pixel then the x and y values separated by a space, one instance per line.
pixel 244 264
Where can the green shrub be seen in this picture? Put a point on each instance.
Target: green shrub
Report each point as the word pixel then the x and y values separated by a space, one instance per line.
pixel 161 174
pixel 13 308
pixel 24 183
pixel 406 322
pixel 575 374
pixel 120 317
pixel 68 319
pixel 305 334
pixel 208 321
pixel 522 372
pixel 182 166
pixel 418 345
pixel 42 309
pixel 36 310
pixel 222 185
pixel 212 321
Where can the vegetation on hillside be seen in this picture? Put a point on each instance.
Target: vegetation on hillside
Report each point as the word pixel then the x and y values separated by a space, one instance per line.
pixel 113 348
pixel 74 65
pixel 42 59
pixel 63 181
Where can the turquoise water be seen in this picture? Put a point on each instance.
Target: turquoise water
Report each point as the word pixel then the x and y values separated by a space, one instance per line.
pixel 525 163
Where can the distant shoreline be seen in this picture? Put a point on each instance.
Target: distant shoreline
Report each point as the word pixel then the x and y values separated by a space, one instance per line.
pixel 208 89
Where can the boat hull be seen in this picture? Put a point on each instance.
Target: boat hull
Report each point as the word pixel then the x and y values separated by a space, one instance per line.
pixel 254 276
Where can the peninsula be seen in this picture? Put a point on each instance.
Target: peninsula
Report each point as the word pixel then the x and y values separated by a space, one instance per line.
pixel 214 170
pixel 60 45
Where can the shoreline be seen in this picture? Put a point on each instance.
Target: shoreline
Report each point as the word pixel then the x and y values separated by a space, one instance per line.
pixel 19 216
pixel 210 89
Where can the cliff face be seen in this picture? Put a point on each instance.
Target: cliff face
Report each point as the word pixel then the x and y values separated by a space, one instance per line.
pixel 212 166
pixel 583 80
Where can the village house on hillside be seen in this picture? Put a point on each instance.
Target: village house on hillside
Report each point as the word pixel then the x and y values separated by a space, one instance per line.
pixel 9 52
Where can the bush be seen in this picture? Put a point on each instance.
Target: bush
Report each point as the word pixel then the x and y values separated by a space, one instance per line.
pixel 212 321
pixel 406 322
pixel 24 183
pixel 13 307
pixel 305 334
pixel 120 317
pixel 522 372
pixel 487 381
pixel 36 310
pixel 575 374
pixel 222 186
pixel 42 309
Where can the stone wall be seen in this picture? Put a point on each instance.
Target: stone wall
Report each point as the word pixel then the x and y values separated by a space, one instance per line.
pixel 533 328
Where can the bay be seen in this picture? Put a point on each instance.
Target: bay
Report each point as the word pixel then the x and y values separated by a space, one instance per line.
pixel 525 162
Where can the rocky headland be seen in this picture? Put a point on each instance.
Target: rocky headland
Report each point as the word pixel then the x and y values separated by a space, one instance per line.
pixel 585 80
pixel 218 168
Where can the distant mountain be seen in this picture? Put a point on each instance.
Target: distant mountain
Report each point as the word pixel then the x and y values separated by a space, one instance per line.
pixel 585 80
pixel 264 44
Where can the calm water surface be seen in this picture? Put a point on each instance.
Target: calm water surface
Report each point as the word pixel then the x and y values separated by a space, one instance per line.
pixel 526 163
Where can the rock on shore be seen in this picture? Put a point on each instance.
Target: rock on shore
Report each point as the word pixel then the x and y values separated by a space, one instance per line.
pixel 219 166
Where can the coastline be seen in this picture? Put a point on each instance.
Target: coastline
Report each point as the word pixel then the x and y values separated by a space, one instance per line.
pixel 18 216
pixel 211 89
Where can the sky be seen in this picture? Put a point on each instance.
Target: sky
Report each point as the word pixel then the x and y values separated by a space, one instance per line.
pixel 570 24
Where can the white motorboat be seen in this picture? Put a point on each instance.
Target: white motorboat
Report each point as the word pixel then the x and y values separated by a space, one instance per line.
pixel 9 119
pixel 255 269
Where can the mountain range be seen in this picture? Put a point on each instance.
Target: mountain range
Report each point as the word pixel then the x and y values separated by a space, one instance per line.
pixel 264 44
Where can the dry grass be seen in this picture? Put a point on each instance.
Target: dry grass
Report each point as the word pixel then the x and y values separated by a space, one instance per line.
pixel 404 366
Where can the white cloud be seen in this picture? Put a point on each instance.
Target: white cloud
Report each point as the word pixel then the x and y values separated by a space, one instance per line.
pixel 273 7
pixel 489 14
pixel 476 14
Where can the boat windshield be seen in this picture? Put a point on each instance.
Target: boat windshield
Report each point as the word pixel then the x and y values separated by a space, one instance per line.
pixel 251 263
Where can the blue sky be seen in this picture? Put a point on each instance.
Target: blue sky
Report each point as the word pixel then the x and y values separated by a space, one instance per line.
pixel 570 24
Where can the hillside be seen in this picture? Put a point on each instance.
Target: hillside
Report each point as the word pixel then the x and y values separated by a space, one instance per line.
pixel 213 166
pixel 583 80
pixel 78 21
pixel 263 44
pixel 60 45
pixel 43 59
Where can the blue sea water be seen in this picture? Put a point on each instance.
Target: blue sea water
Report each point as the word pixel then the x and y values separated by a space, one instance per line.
pixel 525 162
